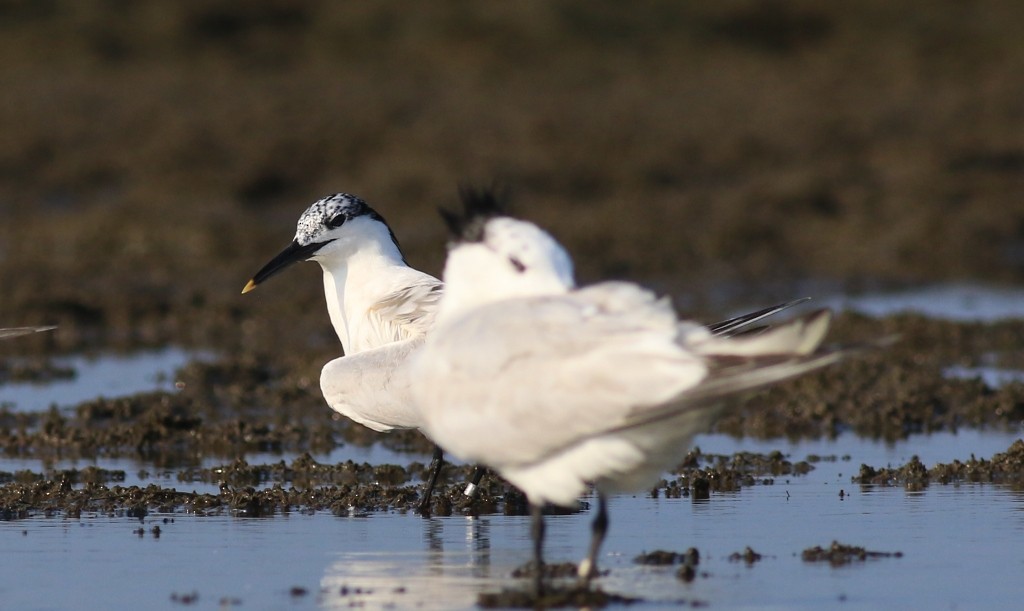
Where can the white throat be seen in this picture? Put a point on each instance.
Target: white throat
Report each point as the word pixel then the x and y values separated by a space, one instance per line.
pixel 356 278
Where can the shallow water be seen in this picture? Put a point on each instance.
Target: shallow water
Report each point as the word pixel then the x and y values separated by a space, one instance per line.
pixel 961 546
pixel 993 377
pixel 111 375
pixel 958 302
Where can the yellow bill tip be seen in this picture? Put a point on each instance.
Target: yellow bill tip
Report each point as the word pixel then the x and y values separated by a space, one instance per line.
pixel 248 287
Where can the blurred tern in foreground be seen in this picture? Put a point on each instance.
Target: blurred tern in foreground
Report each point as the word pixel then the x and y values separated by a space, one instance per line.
pixel 380 308
pixel 557 388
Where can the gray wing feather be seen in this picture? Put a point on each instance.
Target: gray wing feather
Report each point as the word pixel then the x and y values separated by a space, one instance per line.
pixel 409 312
pixel 620 352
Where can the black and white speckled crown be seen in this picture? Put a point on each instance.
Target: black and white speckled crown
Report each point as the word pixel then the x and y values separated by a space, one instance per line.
pixel 330 212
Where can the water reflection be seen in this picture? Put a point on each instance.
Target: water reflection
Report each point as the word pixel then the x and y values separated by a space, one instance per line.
pixel 453 566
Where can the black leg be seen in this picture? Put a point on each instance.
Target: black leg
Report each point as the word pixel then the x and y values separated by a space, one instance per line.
pixel 537 532
pixel 474 481
pixel 588 568
pixel 435 470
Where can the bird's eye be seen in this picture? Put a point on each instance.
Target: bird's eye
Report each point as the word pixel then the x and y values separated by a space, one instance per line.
pixel 517 264
pixel 336 221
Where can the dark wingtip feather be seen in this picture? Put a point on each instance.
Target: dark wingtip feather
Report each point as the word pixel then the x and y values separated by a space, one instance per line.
pixel 742 324
pixel 479 205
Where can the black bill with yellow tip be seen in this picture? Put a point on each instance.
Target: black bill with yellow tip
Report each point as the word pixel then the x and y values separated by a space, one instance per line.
pixel 293 253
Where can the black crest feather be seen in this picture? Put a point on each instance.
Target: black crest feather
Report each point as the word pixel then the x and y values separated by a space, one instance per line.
pixel 479 205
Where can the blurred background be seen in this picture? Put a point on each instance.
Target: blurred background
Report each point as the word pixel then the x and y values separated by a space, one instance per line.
pixel 155 155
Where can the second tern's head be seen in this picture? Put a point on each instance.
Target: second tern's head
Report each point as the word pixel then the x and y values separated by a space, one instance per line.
pixel 493 256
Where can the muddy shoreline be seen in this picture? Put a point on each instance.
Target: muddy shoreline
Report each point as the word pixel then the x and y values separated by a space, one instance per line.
pixel 229 407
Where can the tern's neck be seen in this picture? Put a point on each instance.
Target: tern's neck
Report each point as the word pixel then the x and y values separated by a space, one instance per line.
pixel 354 283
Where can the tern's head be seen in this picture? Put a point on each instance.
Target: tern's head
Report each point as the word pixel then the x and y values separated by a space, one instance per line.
pixel 494 256
pixel 333 229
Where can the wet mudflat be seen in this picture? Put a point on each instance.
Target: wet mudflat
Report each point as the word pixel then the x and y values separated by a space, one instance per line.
pixel 226 483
